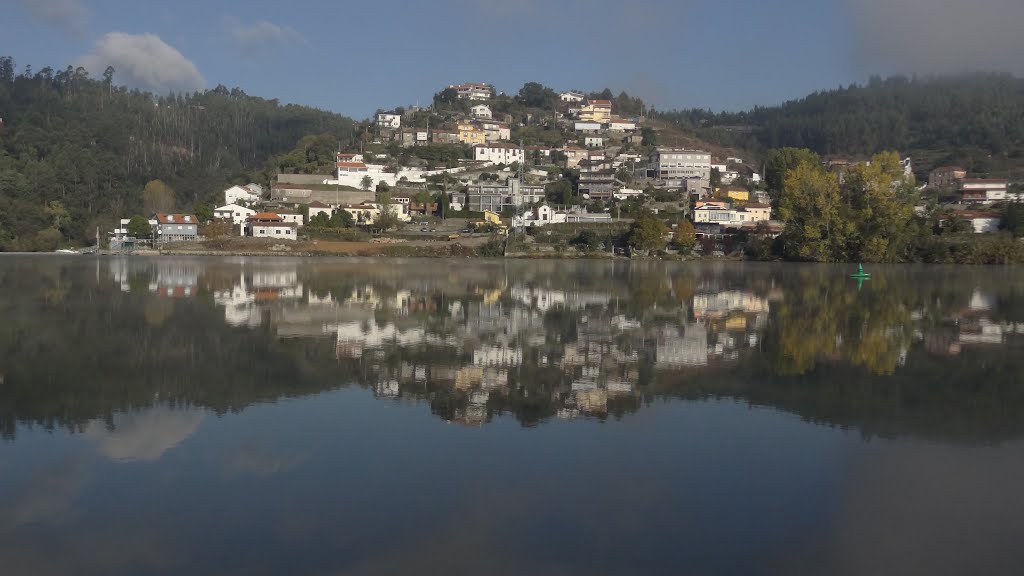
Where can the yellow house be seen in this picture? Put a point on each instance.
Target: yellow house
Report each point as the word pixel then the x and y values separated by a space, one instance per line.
pixel 492 217
pixel 470 134
pixel 597 111
pixel 738 194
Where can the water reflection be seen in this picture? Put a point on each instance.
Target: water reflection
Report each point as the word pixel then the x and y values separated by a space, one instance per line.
pixel 920 351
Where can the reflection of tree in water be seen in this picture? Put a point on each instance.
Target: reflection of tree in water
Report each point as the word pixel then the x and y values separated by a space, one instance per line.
pixel 533 340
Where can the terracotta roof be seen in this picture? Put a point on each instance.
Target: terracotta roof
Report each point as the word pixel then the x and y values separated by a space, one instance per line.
pixel 271 216
pixel 758 206
pixel 984 181
pixel 969 215
pixel 351 165
pixel 276 224
pixel 318 204
pixel 176 219
pixel 604 103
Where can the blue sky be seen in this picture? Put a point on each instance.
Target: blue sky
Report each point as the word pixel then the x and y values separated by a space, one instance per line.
pixel 353 57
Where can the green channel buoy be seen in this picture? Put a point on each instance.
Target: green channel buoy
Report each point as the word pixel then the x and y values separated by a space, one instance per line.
pixel 861 276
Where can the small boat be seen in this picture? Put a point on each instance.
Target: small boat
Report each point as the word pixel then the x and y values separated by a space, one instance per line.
pixel 860 272
pixel 66 251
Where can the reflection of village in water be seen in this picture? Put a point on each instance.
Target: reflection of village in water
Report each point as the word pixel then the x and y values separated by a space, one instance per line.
pixel 486 337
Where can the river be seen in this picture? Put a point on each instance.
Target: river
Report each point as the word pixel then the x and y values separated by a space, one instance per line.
pixel 326 416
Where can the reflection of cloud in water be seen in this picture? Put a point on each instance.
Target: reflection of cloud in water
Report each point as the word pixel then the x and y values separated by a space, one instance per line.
pixel 143 435
pixel 254 459
pixel 47 496
pixel 933 510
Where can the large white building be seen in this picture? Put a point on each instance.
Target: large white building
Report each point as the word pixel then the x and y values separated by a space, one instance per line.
pixel 248 194
pixel 481 111
pixel 233 212
pixel 473 91
pixel 389 120
pixel 984 191
pixel 497 153
pixel 715 214
pixel 678 164
pixel 571 97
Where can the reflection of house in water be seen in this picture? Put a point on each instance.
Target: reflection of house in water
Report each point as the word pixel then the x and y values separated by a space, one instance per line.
pixel 543 299
pixel 168 277
pixel 981 331
pixel 175 278
pixel 489 355
pixel 982 301
pixel 720 304
pixel 355 337
pixel 593 401
pixel 257 294
pixel 682 346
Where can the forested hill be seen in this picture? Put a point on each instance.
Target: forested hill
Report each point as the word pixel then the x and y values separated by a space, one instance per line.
pixel 76 152
pixel 955 118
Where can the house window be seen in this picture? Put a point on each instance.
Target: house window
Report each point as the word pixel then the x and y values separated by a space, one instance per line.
pixel 278 231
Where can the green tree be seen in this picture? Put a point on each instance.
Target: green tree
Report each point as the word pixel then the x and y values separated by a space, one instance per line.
pixel 138 227
pixel 685 236
pixel 559 192
pixel 780 163
pixel 388 212
pixel 809 207
pixel 649 137
pixel 1013 219
pixel 157 198
pixel 535 95
pixel 879 202
pixel 203 212
pixel 624 175
pixel 716 179
pixel 366 182
pixel 647 233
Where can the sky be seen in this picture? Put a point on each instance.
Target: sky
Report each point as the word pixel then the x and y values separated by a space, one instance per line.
pixel 354 57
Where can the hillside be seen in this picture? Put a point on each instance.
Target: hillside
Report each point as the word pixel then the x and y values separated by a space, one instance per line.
pixel 76 152
pixel 976 120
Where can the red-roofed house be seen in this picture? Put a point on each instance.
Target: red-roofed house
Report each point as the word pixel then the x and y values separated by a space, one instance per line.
pixel 597 111
pixel 270 225
pixel 982 190
pixel 176 228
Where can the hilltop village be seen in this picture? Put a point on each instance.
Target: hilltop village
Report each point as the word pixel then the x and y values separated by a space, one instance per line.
pixel 477 163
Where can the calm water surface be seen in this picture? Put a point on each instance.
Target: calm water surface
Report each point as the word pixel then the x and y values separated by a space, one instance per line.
pixel 328 417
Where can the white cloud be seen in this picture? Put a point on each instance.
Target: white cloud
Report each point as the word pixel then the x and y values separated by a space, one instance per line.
pixel 69 15
pixel 143 61
pixel 938 36
pixel 263 34
pixel 145 435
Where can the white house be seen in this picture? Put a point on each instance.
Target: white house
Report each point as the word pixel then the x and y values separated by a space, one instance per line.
pixel 718 214
pixel 677 164
pixel 497 153
pixel 233 212
pixel 587 126
pixel 473 91
pixel 983 222
pixel 983 190
pixel 289 217
pixel 617 125
pixel 316 207
pixel 627 193
pixel 248 194
pixel 571 97
pixel 276 230
pixel 270 225
pixel 481 111
pixel 389 120
pixel 593 141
